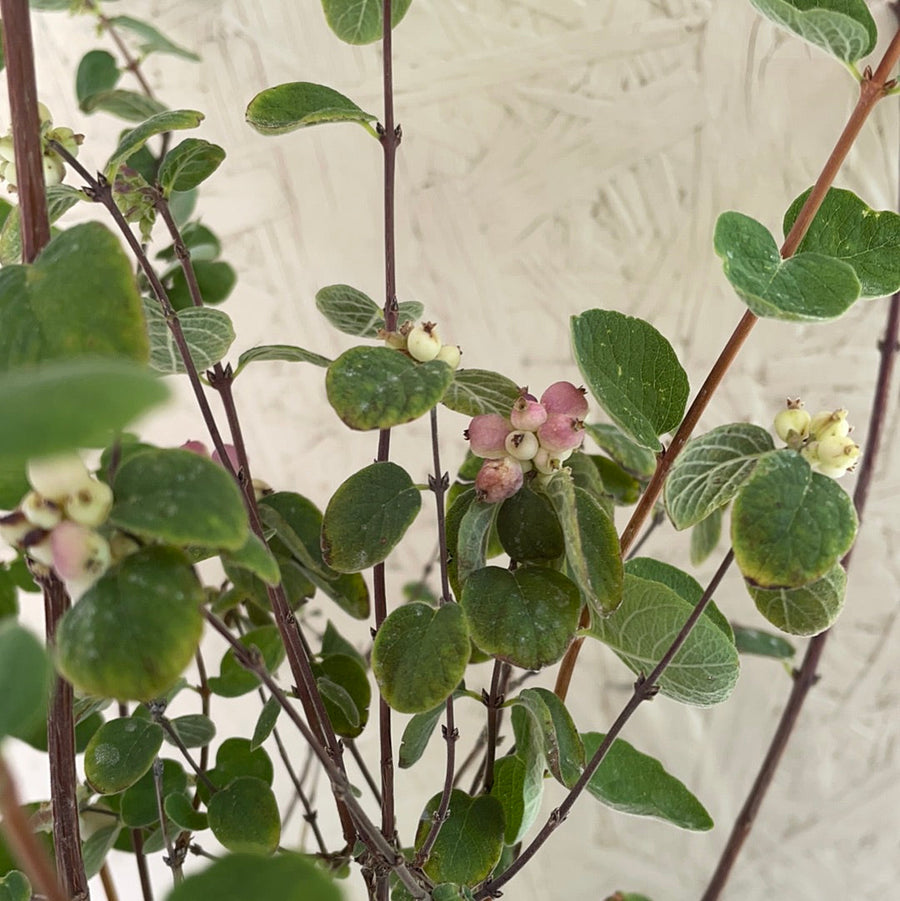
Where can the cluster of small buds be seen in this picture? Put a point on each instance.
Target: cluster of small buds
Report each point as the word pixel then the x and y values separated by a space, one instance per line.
pixel 54 167
pixel 422 343
pixel 539 435
pixel 56 522
pixel 824 439
pixel 260 487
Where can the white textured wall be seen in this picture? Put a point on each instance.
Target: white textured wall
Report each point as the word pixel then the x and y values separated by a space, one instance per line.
pixel 558 156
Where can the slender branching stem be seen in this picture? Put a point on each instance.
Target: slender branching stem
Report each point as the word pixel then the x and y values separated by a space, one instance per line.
pixel 172 859
pixel 205 703
pixel 137 845
pixel 106 880
pixel 493 700
pixel 872 88
pixel 364 769
pixel 175 738
pixel 644 689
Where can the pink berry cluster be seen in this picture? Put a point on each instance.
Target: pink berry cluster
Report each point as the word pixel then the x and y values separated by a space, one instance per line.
pixel 539 435
pixel 824 439
pixel 56 522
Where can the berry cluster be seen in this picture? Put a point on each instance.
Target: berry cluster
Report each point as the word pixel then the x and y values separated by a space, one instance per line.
pixel 56 522
pixel 422 343
pixel 54 167
pixel 539 435
pixel 824 439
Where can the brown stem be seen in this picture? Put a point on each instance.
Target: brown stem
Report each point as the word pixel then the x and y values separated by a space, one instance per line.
pixel 137 844
pixel 109 887
pixel 872 89
pixel 493 702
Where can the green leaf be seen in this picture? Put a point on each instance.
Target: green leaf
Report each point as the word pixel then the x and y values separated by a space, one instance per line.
pixel 630 456
pixel 151 39
pixel 255 557
pixel 684 585
pixel 417 734
pixel 339 702
pixel 469 546
pixel 129 105
pixel 133 633
pixel 244 816
pixel 120 752
pixel 190 163
pixel 335 643
pixel 807 287
pixel 807 610
pixel 361 21
pixel 378 388
pixel 23 664
pixel 42 407
pixel 636 783
pixel 526 617
pixel 586 475
pixel 14 886
pixel 156 124
pixel 179 497
pixel 237 757
pixel 633 373
pixel 208 333
pixel 194 729
pixel 519 795
pixel 139 805
pixel 476 391
pixel 790 525
pixel 79 299
pixel 711 469
pixel 705 536
pixel 347 695
pixel 215 280
pixel 846 229
pixel 354 313
pixel 419 655
pixel 705 669
pixel 762 644
pixel 95 850
pixel 623 488
pixel 284 352
pixel 593 553
pixel 268 717
pixel 368 516
pixel 528 528
pixel 179 809
pixel 843 28
pixel 97 72
pixel 470 841
pixel 233 680
pixel 561 744
pixel 299 104
pixel 237 877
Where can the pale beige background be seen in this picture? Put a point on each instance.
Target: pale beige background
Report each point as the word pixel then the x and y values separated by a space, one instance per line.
pixel 559 156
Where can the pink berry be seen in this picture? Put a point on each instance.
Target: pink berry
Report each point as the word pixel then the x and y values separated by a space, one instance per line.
pixel 565 398
pixel 232 456
pixel 561 432
pixel 487 435
pixel 498 479
pixel 80 555
pixel 528 413
pixel 195 447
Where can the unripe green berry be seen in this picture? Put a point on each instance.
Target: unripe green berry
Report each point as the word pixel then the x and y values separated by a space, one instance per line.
pixel 450 354
pixel 423 343
pixel 521 445
pixel 829 424
pixel 54 170
pixel 40 511
pixel 90 505
pixel 792 424
pixel 58 477
pixel 547 462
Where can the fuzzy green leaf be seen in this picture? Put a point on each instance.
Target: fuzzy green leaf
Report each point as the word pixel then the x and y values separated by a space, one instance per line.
pixel 283 352
pixel 208 333
pixel 807 610
pixel 633 373
pixel 97 71
pixel 255 557
pixel 190 163
pixel 630 456
pixel 344 685
pixel 23 664
pixel 561 744
pixel 519 795
pixel 711 469
pixel 120 752
pixel 470 543
pixel 194 729
pixel 790 525
pixel 233 680
pixel 151 40
pixel 762 644
pixel 132 106
pixel 14 886
pixel 807 287
pixel 179 809
pixel 268 717
pixel 476 391
pixel 132 141
pixel 244 816
pixel 416 735
pixel 299 104
pixel 528 528
pixel 354 313
pixel 419 655
pixel 705 536
pixel 361 21
pixel 60 199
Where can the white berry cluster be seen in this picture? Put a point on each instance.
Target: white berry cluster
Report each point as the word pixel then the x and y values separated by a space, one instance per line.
pixel 54 167
pixel 422 343
pixel 824 439
pixel 56 522
pixel 539 434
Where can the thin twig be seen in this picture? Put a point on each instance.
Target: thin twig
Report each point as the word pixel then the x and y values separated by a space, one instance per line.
pixel 172 860
pixel 169 729
pixel 137 845
pixel 364 769
pixel 493 701
pixel 106 880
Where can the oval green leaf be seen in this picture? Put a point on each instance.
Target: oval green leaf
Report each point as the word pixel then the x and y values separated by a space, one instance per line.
pixel 476 391
pixel 179 809
pixel 633 373
pixel 132 141
pixel 711 469
pixel 233 680
pixel 630 456
pixel 283 352
pixel 468 538
pixel 561 744
pixel 519 795
pixel 132 106
pixel 526 617
pixel 179 497
pixel 14 886
pixel 528 528
pixel 807 287
pixel 133 633
pixel 361 21
pixel 97 72
pixel 120 752
pixel 139 807
pixel 378 388
pixel 705 669
pixel 23 664
pixel 194 729
pixel 417 734
pixel 705 536
pixel 244 816
pixel 636 783
pixel 299 104
pixel 354 313
pixel 367 516
pixel 762 644
pixel 790 525
pixel 208 333
pixel 470 841
pixel 419 655
pixel 348 708
pixel 150 39
pixel 807 610
pixel 190 163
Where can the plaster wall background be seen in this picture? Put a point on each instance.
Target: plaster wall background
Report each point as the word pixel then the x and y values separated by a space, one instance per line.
pixel 558 157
